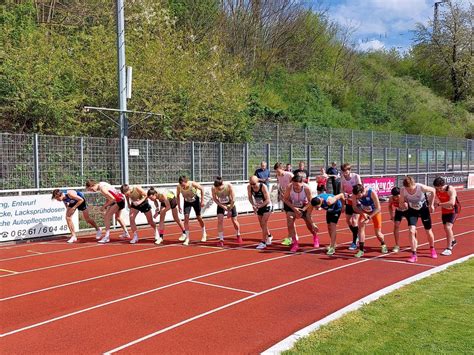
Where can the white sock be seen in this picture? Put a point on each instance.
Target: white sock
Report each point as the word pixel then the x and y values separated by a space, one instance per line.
pixel 187 234
pixel 238 231
pixel 221 235
pixel 204 229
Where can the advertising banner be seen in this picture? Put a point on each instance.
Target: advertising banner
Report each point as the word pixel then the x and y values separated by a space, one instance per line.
pixel 32 216
pixel 470 181
pixel 382 185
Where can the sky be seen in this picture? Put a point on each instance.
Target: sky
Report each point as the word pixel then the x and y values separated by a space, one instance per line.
pixel 381 24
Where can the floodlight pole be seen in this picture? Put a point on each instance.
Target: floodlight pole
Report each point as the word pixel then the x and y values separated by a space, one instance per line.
pixel 122 90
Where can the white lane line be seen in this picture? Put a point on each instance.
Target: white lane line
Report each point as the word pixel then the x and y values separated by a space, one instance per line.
pixel 358 261
pixel 159 263
pixel 201 315
pixel 224 287
pixel 32 251
pixel 288 342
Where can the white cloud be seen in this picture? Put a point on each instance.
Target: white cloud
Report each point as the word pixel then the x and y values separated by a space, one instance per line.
pixel 382 16
pixel 372 45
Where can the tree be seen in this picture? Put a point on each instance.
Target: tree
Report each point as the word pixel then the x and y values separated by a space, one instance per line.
pixel 448 48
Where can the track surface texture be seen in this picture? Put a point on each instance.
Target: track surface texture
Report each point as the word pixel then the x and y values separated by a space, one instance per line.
pixel 143 298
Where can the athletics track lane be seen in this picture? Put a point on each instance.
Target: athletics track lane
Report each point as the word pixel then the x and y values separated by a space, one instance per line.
pixel 291 274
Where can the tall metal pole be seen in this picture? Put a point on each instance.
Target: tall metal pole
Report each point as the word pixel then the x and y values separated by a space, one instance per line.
pixel 122 90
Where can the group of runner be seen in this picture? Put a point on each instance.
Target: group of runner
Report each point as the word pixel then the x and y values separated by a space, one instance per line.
pixel 360 204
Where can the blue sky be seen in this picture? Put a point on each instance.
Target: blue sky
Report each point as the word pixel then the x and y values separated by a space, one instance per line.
pixel 380 23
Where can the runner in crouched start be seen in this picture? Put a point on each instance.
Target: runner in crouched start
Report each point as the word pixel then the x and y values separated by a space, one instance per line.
pixel 223 195
pixel 413 196
pixel 397 213
pixel 447 199
pixel 297 197
pixel 167 202
pixel 137 201
pixel 75 200
pixel 333 206
pixel 259 198
pixel 114 204
pixel 348 181
pixel 192 200
pixel 284 180
pixel 366 203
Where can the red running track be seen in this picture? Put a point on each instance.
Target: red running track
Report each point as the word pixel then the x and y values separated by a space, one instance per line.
pixel 143 298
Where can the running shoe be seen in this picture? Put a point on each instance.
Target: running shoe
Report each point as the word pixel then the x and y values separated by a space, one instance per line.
pixel 182 238
pixel 384 249
pixel 134 239
pixel 124 235
pixel 158 240
pixel 204 237
pixel 447 252
pixel 413 258
pixel 286 241
pixel 98 234
pixel 73 239
pixel 331 251
pixel 294 247
pixel 105 239
pixel 433 253
pixel 269 240
pixel 186 241
pixel 353 246
pixel 239 239
pixel 453 243
pixel 261 246
pixel 220 243
pixel 396 249
pixel 359 254
pixel 315 241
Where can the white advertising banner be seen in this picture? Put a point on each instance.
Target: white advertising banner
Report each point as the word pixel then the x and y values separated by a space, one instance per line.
pixel 32 216
pixel 470 181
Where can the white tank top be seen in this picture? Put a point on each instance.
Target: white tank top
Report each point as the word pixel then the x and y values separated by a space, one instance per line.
pixel 223 195
pixel 118 196
pixel 347 185
pixel 299 199
pixel 416 200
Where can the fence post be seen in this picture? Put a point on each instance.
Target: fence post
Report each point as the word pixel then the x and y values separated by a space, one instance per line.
pixel 147 161
pixel 408 161
pixel 406 141
pixel 398 160
pixel 329 136
pixel 358 160
pixel 193 156
pixel 291 154
pixel 417 161
pixel 328 154
pixel 371 138
pixel 36 160
pixel 385 153
pixel 246 161
pixel 468 156
pixel 278 142
pixel 352 146
pixel 305 135
pixel 436 160
pixel 308 159
pixel 219 162
pixel 267 155
pixel 427 160
pixel 462 160
pixel 453 168
pixel 372 158
pixel 82 160
pixel 446 159
pixel 342 154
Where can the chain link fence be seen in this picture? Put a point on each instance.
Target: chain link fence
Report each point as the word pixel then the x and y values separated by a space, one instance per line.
pixel 41 161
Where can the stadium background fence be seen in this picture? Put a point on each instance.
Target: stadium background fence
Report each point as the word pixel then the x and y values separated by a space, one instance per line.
pixel 44 161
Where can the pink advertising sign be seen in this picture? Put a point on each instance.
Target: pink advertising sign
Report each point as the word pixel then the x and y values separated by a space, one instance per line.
pixel 382 185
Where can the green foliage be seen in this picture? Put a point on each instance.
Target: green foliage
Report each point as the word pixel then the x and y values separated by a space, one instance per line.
pixel 184 69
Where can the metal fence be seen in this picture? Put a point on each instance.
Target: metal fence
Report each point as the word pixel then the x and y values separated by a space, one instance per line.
pixel 41 161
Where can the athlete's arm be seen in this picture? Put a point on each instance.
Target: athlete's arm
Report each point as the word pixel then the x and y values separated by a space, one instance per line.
pixel 432 194
pixel 200 188
pixel 452 199
pixel 178 198
pixel 110 199
pixel 216 200
pixel 72 194
pixel 309 196
pixel 266 196
pixel 286 198
pixel 231 197
pixel 390 208
pixel 142 194
pixel 333 199
pixel 377 208
pixel 358 179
